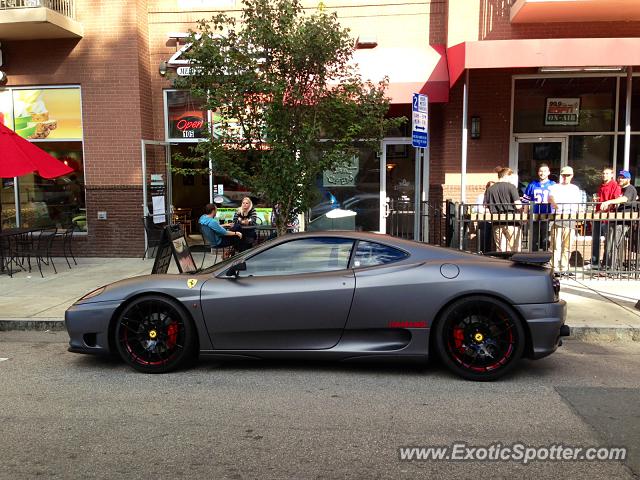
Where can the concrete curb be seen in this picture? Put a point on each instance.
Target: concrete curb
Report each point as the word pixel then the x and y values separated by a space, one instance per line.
pixel 38 324
pixel 606 334
pixel 589 334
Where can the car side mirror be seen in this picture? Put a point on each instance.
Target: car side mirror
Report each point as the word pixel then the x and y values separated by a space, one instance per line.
pixel 235 269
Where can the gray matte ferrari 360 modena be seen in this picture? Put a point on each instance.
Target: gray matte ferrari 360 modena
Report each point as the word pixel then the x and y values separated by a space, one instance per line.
pixel 332 295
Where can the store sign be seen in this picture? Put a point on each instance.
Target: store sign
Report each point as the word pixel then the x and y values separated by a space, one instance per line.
pixel 342 176
pixel 562 111
pixel 186 119
pixel 47 113
pixel 189 125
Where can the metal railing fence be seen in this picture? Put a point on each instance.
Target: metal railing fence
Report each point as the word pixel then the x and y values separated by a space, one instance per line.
pixel 584 242
pixel 63 7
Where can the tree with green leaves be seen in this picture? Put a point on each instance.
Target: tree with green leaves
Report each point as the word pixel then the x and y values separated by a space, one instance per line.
pixel 287 98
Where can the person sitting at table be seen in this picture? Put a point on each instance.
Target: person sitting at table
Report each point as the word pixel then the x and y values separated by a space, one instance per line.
pixel 245 220
pixel 214 233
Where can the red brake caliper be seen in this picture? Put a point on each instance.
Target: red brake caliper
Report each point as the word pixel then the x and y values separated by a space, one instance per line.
pixel 458 337
pixel 172 335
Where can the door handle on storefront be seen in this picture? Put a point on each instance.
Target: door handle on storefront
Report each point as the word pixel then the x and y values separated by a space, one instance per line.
pixel 387 209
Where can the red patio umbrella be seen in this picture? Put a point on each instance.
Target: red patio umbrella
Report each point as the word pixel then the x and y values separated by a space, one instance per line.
pixel 19 157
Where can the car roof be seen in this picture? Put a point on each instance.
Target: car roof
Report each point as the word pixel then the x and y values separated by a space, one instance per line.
pixel 366 236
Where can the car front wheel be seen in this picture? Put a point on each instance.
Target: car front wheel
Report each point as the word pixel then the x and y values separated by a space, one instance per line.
pixel 479 338
pixel 153 334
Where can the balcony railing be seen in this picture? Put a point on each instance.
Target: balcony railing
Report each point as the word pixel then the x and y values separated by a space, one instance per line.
pixel 63 7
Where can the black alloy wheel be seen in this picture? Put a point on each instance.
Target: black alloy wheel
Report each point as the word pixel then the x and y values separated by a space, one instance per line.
pixel 154 334
pixel 479 338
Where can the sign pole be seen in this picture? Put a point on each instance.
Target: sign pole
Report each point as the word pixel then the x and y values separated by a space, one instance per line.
pixel 420 140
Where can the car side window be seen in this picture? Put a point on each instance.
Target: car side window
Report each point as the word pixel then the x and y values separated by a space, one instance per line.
pixel 370 254
pixel 306 255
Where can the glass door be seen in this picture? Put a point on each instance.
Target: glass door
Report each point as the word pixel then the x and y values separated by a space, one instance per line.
pixel 531 152
pixel 398 199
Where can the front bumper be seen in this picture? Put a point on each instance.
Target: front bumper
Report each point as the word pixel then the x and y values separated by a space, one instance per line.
pixel 88 326
pixel 545 322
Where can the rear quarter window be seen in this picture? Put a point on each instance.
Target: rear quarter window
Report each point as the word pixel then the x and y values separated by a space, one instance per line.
pixel 369 254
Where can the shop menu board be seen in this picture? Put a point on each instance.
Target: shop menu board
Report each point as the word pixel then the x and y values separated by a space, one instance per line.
pixel 45 113
pixel 174 244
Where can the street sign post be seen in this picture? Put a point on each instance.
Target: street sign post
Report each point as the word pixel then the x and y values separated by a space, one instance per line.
pixel 420 121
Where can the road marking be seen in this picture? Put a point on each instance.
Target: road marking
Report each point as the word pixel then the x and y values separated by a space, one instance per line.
pixel 3 359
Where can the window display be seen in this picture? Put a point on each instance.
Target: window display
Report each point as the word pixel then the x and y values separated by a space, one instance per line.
pixel 59 201
pixel 51 117
pixel 585 104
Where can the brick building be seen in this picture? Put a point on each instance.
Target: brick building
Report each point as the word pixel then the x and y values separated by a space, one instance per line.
pixel 544 81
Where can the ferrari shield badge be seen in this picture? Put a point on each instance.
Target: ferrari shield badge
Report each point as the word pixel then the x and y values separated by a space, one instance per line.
pixel 192 282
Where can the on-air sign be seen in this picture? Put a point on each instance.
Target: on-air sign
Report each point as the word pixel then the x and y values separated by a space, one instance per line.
pixel 420 121
pixel 562 111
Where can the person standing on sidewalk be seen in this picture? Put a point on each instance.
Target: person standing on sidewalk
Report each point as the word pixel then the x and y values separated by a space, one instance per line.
pixel 565 198
pixel 503 198
pixel 608 190
pixel 537 192
pixel 618 229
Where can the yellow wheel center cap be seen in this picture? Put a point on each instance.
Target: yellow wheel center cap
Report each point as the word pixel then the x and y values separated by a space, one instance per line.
pixel 478 337
pixel 153 334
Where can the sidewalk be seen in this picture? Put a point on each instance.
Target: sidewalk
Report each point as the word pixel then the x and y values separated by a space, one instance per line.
pixel 598 310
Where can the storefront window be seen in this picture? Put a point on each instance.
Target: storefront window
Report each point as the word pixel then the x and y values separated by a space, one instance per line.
pixel 59 201
pixel 634 157
pixel 588 155
pixel 564 105
pixel 356 187
pixel 186 120
pixel 7 199
pixel 51 118
pixel 635 104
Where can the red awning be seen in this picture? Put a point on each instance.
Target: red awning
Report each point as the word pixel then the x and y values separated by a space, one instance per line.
pixel 410 70
pixel 548 52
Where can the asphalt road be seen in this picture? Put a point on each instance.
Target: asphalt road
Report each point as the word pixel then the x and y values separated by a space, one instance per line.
pixel 67 416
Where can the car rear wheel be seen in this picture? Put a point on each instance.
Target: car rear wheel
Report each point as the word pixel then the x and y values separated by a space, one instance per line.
pixel 479 338
pixel 153 334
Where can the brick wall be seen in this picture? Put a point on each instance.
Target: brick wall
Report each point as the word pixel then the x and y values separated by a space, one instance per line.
pixel 489 99
pixel 111 64
pixel 494 24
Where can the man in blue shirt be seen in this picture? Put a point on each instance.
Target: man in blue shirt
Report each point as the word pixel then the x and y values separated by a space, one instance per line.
pixel 214 233
pixel 537 192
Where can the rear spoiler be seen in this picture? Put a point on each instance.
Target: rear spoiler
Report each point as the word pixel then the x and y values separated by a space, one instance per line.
pixel 531 258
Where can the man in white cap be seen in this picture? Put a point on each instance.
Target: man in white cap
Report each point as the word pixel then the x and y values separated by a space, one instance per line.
pixel 565 198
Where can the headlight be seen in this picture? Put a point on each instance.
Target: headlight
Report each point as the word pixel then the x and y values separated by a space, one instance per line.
pixel 93 293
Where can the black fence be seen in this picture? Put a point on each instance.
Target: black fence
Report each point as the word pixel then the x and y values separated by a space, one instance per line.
pixel 584 242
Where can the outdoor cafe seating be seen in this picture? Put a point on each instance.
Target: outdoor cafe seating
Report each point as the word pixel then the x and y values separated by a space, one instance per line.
pixel 19 247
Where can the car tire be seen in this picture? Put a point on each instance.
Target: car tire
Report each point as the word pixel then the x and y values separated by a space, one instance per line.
pixel 479 338
pixel 154 334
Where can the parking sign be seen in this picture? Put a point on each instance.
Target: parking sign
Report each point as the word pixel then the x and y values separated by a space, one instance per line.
pixel 420 121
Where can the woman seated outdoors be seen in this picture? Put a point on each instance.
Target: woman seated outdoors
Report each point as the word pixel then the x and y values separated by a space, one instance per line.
pixel 245 220
pixel 215 234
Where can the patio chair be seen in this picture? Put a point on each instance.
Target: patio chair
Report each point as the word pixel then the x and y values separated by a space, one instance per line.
pixel 207 246
pixel 18 251
pixel 67 238
pixel 40 249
